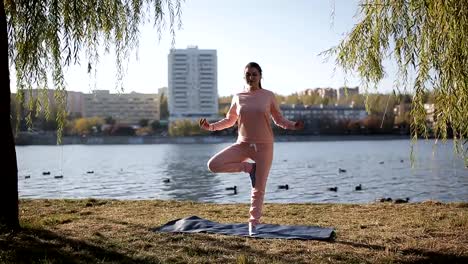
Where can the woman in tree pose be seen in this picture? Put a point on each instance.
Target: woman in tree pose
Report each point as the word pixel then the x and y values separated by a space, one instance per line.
pixel 251 109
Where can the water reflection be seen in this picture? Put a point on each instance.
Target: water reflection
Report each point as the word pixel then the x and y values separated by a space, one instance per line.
pixel 189 177
pixel 179 172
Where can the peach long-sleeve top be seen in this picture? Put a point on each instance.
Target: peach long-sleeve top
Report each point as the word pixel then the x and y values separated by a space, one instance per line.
pixel 252 111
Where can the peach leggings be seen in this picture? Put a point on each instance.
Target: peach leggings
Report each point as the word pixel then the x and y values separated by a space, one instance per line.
pixel 233 159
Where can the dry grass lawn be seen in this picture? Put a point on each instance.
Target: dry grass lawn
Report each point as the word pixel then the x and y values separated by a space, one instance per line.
pixel 114 231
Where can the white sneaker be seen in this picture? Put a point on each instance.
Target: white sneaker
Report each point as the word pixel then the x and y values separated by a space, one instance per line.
pixel 252 229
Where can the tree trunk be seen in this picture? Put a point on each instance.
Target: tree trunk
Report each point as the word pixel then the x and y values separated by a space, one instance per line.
pixel 9 175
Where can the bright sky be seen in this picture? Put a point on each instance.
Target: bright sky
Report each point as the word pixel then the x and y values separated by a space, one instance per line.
pixel 283 36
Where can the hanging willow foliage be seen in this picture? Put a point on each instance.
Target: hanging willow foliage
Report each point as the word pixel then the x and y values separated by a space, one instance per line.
pixel 45 36
pixel 429 41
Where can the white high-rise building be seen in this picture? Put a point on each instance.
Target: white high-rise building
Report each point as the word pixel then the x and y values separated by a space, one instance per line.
pixel 193 84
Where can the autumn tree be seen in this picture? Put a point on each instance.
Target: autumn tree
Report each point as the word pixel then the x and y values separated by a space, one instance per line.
pixel 85 126
pixel 185 127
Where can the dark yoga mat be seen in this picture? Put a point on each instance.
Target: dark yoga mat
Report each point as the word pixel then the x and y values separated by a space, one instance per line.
pixel 195 224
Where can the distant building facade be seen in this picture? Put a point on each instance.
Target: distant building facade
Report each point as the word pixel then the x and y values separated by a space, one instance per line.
pixel 347 91
pixel 314 115
pixel 192 84
pixel 75 103
pixel 430 114
pixel 74 100
pixel 401 109
pixel 326 92
pixel 337 113
pixel 124 108
pixel 306 92
pixel 162 91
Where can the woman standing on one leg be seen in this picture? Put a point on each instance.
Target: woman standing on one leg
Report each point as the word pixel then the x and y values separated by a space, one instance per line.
pixel 252 110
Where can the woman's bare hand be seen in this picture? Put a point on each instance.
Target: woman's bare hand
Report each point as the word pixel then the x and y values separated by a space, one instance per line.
pixel 299 125
pixel 204 124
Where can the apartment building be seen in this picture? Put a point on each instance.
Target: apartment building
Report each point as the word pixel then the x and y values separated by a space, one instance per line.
pixel 335 113
pixel 124 108
pixel 347 91
pixel 326 92
pixel 307 92
pixel 192 84
pixel 315 117
pixel 73 105
pixel 162 91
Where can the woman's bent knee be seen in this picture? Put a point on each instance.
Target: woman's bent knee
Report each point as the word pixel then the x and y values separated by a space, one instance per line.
pixel 212 165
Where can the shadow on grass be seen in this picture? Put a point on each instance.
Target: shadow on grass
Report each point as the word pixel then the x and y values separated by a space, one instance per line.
pixel 30 245
pixel 434 257
pixel 425 256
pixel 215 248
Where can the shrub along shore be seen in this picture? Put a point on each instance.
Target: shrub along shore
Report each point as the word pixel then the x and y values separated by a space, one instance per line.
pixel 117 231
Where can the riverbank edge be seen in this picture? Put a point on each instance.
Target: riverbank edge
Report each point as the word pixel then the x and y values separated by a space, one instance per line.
pixel 115 140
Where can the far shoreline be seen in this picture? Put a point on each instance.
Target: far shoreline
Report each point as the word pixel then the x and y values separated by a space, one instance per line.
pixel 51 139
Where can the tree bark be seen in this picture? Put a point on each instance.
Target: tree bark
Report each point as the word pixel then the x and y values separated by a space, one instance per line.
pixel 9 175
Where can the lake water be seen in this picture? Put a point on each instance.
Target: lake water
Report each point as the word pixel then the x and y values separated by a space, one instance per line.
pixel 382 167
